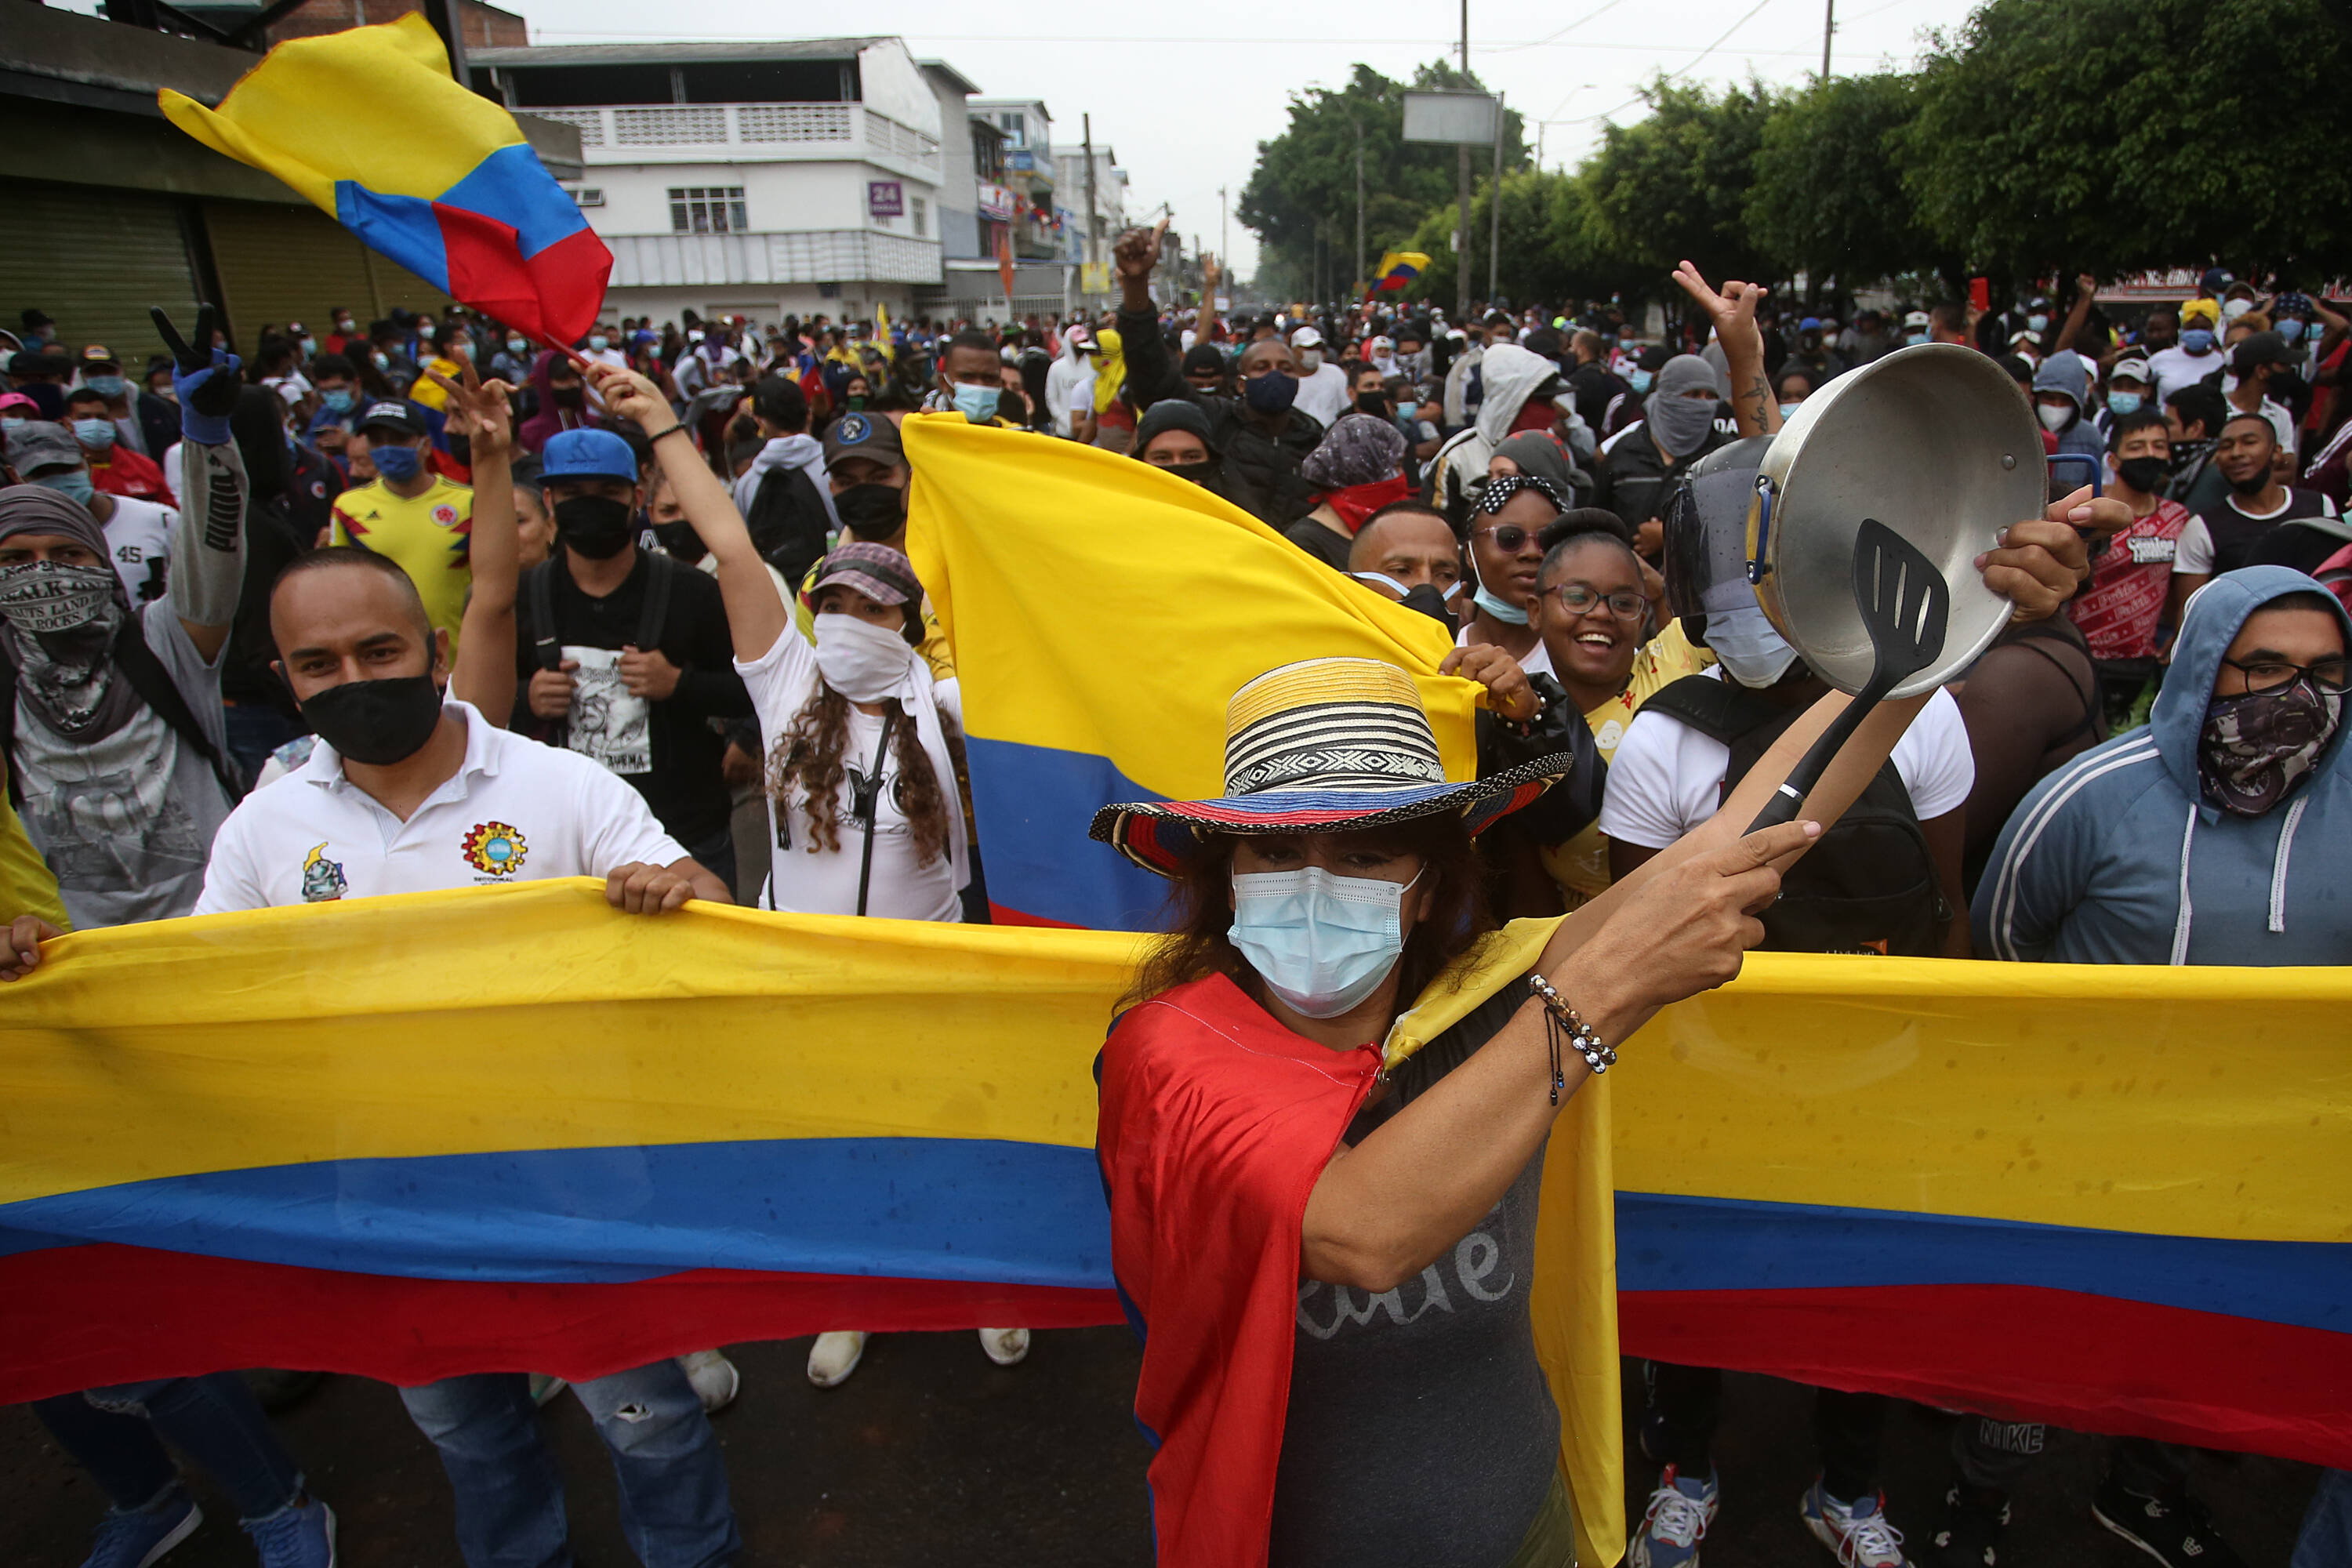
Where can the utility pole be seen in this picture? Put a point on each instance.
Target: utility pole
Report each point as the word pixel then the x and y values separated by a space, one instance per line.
pixel 1828 25
pixel 1462 189
pixel 1495 201
pixel 1225 242
pixel 1357 262
pixel 1094 221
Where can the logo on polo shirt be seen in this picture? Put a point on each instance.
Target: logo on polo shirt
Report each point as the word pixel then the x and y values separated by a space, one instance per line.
pixel 495 847
pixel 323 880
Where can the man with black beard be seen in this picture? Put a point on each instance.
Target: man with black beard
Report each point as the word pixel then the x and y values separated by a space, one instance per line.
pixel 623 654
pixel 117 750
pixel 2260 522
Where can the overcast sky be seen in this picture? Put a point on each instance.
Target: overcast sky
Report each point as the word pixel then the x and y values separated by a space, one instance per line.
pixel 1184 93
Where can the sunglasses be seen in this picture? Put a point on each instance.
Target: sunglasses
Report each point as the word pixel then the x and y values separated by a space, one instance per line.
pixel 1508 537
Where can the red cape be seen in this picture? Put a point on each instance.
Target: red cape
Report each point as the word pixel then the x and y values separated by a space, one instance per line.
pixel 1215 1122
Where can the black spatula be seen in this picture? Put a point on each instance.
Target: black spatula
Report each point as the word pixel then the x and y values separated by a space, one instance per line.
pixel 1905 603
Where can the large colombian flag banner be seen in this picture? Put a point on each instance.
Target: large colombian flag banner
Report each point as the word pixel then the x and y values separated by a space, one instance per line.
pixel 369 126
pixel 510 1128
pixel 1102 612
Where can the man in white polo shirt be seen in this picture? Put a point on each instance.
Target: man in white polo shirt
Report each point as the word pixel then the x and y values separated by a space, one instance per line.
pixel 410 791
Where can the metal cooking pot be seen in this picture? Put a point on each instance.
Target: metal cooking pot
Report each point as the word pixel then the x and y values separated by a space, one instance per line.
pixel 1936 442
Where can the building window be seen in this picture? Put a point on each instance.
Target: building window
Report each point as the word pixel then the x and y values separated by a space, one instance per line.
pixel 707 209
pixel 915 208
pixel 587 195
pixel 1015 126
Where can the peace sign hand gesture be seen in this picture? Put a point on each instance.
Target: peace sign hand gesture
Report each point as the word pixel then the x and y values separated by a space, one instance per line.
pixel 204 377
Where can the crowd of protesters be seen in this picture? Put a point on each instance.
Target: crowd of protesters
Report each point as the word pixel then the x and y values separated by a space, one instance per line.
pixel 653 592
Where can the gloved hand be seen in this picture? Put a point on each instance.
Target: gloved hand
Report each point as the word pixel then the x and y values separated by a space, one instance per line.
pixel 205 378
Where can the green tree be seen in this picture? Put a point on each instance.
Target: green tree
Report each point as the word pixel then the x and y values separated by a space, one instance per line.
pixel 1305 181
pixel 2113 135
pixel 1828 197
pixel 1674 186
pixel 1536 267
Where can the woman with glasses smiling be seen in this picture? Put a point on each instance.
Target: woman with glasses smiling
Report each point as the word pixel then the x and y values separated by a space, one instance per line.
pixel 1594 613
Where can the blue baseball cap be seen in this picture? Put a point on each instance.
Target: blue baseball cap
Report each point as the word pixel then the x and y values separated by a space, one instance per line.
pixel 1809 324
pixel 587 455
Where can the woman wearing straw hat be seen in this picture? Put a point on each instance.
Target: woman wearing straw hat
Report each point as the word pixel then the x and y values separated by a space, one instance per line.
pixel 1327 1243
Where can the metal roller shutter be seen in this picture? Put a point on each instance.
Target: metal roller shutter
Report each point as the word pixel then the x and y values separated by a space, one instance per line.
pixel 96 260
pixel 280 264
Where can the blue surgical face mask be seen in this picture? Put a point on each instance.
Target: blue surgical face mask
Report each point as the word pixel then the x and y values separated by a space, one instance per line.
pixel 73 485
pixel 383 360
pixel 1788 410
pixel 2037 323
pixel 98 434
pixel 107 386
pixel 2291 329
pixel 11 421
pixel 1745 643
pixel 516 345
pixel 976 403
pixel 339 399
pixel 2196 340
pixel 1917 338
pixel 599 341
pixel 401 464
pixel 1640 381
pixel 1322 943
pixel 2122 403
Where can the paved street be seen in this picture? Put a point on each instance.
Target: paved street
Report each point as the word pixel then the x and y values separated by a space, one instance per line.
pixel 930 1454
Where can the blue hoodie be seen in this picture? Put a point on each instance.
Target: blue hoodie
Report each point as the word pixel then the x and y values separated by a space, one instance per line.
pixel 2117 858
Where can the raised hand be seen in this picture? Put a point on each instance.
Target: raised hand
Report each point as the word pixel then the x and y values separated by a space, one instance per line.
pixel 631 397
pixel 1138 251
pixel 1732 310
pixel 204 377
pixel 479 410
pixel 2041 563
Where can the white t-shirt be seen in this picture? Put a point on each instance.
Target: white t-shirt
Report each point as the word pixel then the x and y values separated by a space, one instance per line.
pixel 809 879
pixel 1535 661
pixel 1326 394
pixel 1667 778
pixel 2176 367
pixel 515 811
pixel 2193 556
pixel 139 537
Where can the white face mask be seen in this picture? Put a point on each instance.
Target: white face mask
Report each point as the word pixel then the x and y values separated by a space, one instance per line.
pixel 864 662
pixel 2054 419
pixel 1310 359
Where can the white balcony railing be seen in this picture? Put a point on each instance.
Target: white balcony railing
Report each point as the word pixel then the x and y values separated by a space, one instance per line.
pixel 794 256
pixel 682 132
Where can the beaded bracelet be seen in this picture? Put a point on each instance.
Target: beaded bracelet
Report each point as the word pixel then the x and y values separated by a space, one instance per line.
pixel 1562 1022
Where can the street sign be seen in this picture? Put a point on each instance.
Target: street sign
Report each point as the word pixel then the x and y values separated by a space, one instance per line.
pixel 886 198
pixel 1466 119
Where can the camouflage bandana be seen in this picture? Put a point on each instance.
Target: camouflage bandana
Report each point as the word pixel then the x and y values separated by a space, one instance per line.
pixel 2254 749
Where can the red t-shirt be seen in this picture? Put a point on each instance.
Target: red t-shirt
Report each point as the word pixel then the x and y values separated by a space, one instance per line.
pixel 2118 611
pixel 124 472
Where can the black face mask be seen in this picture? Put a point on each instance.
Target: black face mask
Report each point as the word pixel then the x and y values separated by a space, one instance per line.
pixel 568 396
pixel 1208 473
pixel 2142 474
pixel 598 527
pixel 377 722
pixel 872 512
pixel 679 539
pixel 1374 403
pixel 1425 598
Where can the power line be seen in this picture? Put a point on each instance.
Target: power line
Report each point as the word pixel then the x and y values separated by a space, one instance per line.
pixel 1747 18
pixel 1589 15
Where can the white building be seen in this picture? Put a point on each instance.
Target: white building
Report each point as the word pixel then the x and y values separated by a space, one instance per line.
pixel 1109 196
pixel 804 177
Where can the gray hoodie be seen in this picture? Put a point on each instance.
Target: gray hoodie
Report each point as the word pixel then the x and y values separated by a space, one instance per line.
pixel 2117 858
pixel 2065 374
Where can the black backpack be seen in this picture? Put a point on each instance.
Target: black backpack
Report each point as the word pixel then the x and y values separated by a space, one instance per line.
pixel 1869 886
pixel 787 521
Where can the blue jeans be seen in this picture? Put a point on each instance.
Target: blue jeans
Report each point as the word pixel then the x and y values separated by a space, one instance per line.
pixel 216 1420
pixel 2327 1538
pixel 674 1504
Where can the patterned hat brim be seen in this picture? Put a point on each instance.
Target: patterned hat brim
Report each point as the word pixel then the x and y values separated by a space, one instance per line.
pixel 1160 836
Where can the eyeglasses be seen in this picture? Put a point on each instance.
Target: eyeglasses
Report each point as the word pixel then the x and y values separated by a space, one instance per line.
pixel 2330 676
pixel 1508 538
pixel 1581 599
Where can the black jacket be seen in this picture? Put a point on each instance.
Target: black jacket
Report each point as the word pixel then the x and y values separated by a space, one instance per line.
pixel 1635 478
pixel 1261 472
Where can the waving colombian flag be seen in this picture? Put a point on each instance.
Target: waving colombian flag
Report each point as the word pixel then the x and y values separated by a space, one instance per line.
pixel 1398 269
pixel 370 127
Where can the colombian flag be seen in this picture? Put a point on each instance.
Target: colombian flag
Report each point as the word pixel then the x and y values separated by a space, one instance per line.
pixel 368 125
pixel 1102 611
pixel 1398 269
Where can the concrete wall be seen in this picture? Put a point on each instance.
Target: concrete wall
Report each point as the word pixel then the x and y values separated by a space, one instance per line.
pixel 776 196
pixel 765 304
pixel 889 81
pixel 959 225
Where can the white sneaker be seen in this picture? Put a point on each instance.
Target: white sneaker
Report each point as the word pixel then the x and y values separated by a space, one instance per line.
pixel 714 1377
pixel 835 1356
pixel 1856 1531
pixel 1005 1347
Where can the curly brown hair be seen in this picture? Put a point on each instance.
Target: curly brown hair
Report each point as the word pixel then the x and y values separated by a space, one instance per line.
pixel 1199 912
pixel 810 754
